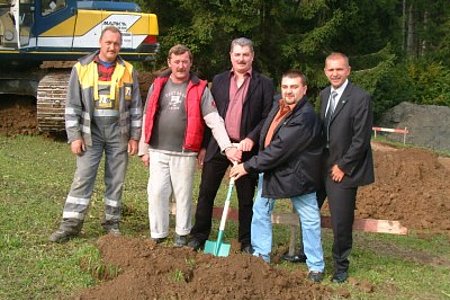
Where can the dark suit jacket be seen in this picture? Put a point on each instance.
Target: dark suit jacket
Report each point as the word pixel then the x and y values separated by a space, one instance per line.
pixel 257 105
pixel 350 132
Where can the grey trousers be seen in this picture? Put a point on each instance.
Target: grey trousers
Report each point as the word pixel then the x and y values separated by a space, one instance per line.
pixel 106 138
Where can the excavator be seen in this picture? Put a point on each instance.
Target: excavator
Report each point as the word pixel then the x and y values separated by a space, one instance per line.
pixel 41 39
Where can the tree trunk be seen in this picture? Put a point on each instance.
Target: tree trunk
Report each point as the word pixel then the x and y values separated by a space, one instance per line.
pixel 404 20
pixel 411 48
pixel 425 28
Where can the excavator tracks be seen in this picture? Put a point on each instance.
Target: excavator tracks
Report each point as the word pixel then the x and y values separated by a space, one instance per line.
pixel 51 101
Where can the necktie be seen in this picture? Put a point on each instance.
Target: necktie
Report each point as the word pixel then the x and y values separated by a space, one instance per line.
pixel 332 104
pixel 331 107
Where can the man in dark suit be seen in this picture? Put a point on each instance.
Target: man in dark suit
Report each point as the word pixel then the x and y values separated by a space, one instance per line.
pixel 346 111
pixel 244 99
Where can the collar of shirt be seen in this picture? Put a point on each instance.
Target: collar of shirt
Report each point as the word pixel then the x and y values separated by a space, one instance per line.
pixel 104 63
pixel 339 90
pixel 283 111
pixel 247 74
pixel 105 70
pixel 284 108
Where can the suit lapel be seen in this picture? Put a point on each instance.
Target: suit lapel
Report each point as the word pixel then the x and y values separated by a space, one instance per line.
pixel 325 99
pixel 226 91
pixel 254 81
pixel 342 101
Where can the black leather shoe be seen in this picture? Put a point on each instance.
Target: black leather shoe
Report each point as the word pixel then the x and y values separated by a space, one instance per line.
pixel 339 277
pixel 315 276
pixel 247 248
pixel 196 244
pixel 296 258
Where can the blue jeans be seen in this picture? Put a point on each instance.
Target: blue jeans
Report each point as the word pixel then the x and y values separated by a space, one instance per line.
pixel 308 210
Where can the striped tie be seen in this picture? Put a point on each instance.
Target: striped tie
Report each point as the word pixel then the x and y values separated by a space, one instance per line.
pixel 332 106
pixel 329 114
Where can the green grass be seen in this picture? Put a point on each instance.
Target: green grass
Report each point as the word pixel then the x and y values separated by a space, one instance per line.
pixel 35 176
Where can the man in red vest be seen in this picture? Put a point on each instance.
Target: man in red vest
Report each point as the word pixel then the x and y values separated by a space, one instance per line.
pixel 178 107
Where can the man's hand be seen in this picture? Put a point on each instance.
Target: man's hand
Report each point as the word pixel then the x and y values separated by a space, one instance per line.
pixel 145 160
pixel 132 147
pixel 201 157
pixel 238 171
pixel 233 154
pixel 336 174
pixel 78 147
pixel 246 145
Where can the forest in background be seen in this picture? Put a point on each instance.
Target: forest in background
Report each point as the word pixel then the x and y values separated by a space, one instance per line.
pixel 399 50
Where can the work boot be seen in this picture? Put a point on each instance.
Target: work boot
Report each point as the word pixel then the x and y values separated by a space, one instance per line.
pixel 315 276
pixel 61 236
pixel 180 240
pixel 68 229
pixel 111 227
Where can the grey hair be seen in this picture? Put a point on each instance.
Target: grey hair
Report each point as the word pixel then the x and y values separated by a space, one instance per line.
pixel 243 42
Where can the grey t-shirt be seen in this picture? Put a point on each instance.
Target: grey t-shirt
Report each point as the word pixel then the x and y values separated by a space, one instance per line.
pixel 170 119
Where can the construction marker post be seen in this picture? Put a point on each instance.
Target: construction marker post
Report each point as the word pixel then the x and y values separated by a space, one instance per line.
pixel 392 130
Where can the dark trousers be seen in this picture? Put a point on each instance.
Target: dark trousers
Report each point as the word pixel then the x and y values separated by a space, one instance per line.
pixel 341 201
pixel 212 174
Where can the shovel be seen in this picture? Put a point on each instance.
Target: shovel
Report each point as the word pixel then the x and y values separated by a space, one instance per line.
pixel 218 248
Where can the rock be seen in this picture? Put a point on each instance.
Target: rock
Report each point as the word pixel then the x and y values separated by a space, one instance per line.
pixel 428 125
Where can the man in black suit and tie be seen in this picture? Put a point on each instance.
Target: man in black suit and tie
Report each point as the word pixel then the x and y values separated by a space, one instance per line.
pixel 244 98
pixel 346 111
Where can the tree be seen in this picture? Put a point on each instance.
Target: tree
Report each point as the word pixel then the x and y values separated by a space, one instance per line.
pixel 383 38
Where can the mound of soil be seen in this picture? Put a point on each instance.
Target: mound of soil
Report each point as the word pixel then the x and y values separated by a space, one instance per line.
pixel 17 115
pixel 150 271
pixel 145 81
pixel 411 186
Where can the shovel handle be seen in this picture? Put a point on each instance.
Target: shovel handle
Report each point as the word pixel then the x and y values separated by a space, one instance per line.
pixel 226 205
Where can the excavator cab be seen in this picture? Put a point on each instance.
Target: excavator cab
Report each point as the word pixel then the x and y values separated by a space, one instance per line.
pixel 61 31
pixel 46 30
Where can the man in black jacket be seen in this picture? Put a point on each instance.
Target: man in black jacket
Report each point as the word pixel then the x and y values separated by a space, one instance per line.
pixel 347 113
pixel 289 165
pixel 243 98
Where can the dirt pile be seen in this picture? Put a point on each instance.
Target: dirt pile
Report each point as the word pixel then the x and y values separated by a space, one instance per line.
pixel 145 81
pixel 150 271
pixel 17 115
pixel 411 186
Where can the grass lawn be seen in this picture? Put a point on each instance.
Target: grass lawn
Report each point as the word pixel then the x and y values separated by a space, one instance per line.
pixel 35 176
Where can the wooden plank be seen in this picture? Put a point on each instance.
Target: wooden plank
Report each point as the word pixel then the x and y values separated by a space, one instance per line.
pixel 366 225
